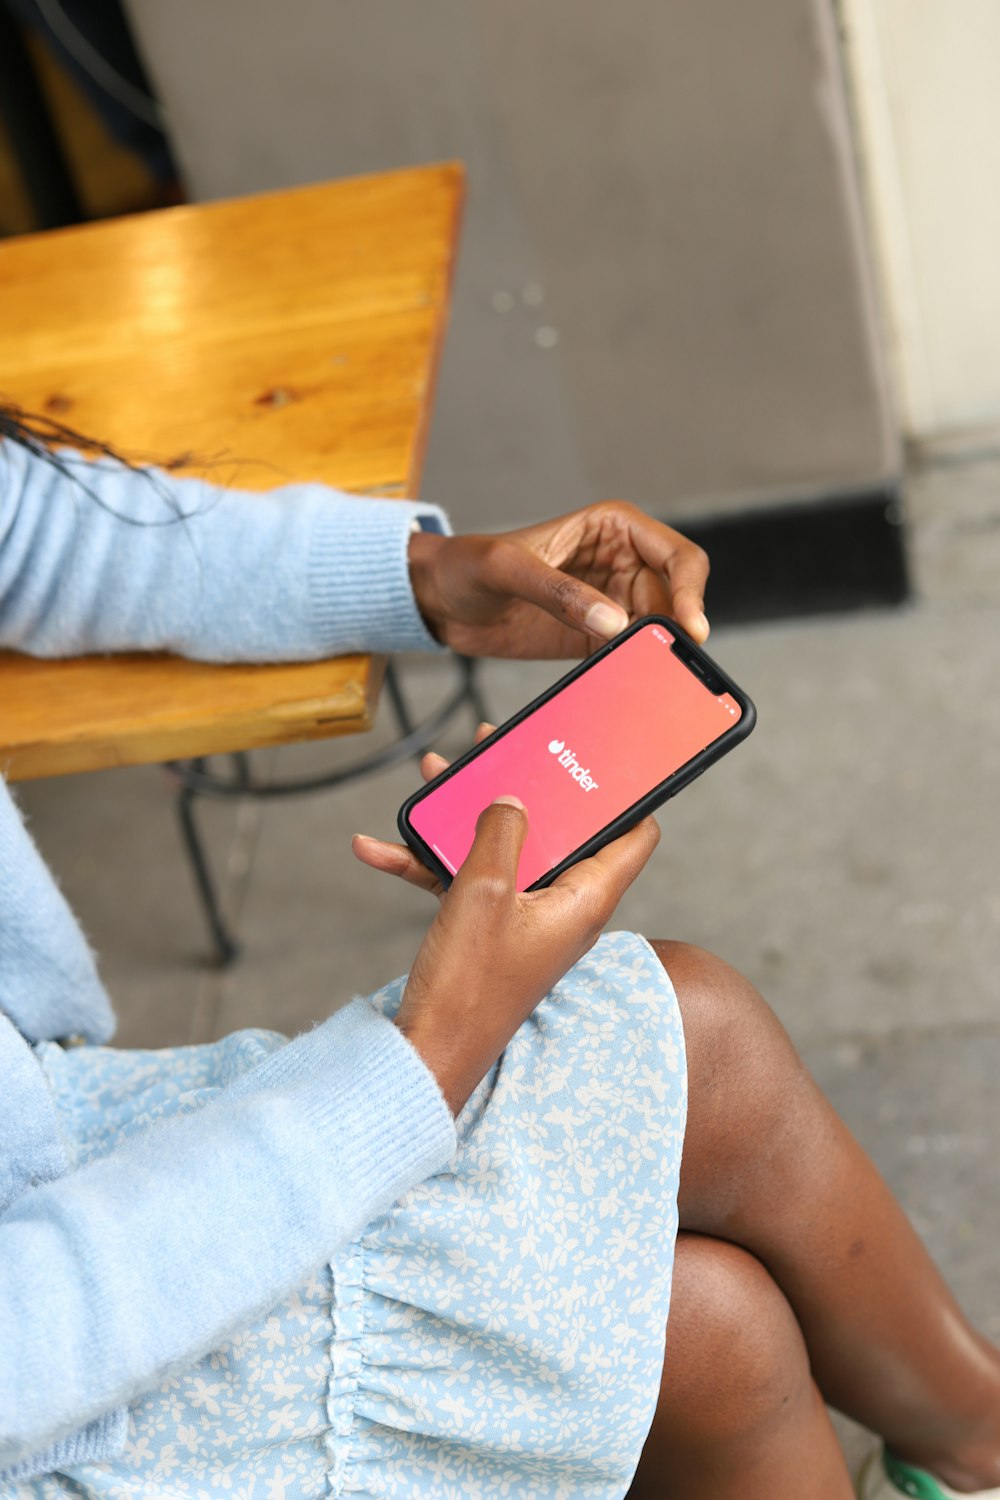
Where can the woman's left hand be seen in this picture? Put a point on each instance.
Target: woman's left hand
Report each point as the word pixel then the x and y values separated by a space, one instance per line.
pixel 559 588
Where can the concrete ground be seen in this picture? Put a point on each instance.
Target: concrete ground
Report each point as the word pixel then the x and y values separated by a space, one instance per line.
pixel 845 859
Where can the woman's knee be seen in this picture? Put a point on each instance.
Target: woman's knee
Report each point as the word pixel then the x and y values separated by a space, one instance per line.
pixel 748 1090
pixel 723 1014
pixel 736 1364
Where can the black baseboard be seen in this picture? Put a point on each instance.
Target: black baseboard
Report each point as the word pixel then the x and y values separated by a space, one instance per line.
pixel 837 553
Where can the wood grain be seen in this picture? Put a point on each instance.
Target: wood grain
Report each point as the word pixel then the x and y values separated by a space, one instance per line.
pixel 128 710
pixel 292 335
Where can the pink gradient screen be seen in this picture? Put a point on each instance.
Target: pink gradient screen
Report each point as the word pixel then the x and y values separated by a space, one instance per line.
pixel 584 757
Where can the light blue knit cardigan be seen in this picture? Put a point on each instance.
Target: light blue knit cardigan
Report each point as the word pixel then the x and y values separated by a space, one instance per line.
pixel 114 1273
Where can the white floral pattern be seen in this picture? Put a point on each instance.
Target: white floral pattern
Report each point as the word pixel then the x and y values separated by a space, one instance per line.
pixel 499 1333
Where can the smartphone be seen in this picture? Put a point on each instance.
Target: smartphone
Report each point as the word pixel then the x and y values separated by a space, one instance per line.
pixel 604 746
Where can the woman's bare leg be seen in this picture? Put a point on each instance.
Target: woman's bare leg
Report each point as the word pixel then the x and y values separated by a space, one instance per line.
pixel 739 1417
pixel 770 1168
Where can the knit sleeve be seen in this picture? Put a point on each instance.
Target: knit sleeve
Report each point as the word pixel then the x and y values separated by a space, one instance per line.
pixel 146 1259
pixel 98 557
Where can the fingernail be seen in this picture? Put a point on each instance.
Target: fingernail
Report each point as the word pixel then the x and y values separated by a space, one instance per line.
pixel 703 625
pixel 509 802
pixel 604 619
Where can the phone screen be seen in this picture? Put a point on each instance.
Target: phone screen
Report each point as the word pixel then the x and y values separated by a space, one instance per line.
pixel 584 757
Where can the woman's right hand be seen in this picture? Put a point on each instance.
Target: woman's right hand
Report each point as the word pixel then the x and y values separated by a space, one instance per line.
pixel 493 952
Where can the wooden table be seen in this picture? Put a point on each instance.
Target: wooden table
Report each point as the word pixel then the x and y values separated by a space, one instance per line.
pixel 289 336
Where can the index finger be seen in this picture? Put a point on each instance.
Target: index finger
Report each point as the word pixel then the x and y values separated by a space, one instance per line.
pixel 607 875
pixel 685 564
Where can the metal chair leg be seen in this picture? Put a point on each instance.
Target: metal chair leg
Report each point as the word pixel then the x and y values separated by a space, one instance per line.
pixel 398 702
pixel 240 762
pixel 194 779
pixel 469 666
pixel 404 719
pixel 226 947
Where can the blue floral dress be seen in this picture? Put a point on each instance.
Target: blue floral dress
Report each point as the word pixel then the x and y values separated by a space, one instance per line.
pixel 498 1333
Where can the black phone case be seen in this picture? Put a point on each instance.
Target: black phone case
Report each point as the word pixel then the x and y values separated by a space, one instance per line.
pixel 703 667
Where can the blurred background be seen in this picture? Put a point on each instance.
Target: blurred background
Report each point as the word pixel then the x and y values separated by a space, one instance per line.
pixel 740 264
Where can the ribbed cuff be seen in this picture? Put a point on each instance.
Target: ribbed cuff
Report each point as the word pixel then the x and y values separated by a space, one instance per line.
pixel 359 576
pixel 94 1443
pixel 360 1086
pixel 32 1149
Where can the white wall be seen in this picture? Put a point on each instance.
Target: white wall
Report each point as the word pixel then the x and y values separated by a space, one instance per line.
pixel 662 196
pixel 926 80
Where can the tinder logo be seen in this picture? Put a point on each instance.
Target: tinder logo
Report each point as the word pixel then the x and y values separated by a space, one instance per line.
pixel 568 759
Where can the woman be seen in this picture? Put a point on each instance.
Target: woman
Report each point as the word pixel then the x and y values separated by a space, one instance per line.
pixel 426 1249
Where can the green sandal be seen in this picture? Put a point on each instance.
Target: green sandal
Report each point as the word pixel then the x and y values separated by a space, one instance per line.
pixel 885 1477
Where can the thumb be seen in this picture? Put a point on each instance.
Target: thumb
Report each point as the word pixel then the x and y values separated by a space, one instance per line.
pixel 518 571
pixel 496 849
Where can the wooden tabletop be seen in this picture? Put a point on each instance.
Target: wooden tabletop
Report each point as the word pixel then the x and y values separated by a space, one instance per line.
pixel 289 336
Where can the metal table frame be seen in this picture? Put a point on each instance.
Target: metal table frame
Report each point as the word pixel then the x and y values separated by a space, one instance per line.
pixel 195 778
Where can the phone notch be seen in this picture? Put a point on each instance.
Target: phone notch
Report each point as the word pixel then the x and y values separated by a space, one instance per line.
pixel 692 658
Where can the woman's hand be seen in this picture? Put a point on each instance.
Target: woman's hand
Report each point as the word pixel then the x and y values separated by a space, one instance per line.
pixel 560 588
pixel 399 859
pixel 493 952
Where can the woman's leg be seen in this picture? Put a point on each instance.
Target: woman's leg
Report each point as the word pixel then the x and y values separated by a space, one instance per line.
pixel 770 1168
pixel 739 1415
